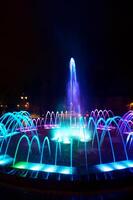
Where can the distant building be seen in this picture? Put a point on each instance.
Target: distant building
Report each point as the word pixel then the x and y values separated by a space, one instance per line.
pixel 3 108
pixel 130 106
pixel 23 103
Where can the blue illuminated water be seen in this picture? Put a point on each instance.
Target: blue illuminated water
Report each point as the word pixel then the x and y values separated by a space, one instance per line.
pixel 67 142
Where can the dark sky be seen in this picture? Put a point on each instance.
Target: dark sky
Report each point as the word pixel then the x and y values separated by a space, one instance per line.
pixel 37 39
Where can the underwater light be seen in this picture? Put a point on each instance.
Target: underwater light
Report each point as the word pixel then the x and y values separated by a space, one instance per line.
pixel 129 163
pixel 21 165
pixel 66 134
pixel 119 165
pixel 5 160
pixel 104 168
pixel 36 167
pixel 50 169
pixel 66 170
pixel 45 168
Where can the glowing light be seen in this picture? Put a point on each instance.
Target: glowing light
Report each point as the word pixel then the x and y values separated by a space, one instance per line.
pixel 5 160
pixel 10 134
pixel 128 133
pixel 26 105
pixel 129 163
pixel 109 128
pixel 45 168
pixel 66 171
pixel 73 96
pixel 51 169
pixel 2 162
pixel 28 130
pixel 131 106
pixel 66 141
pixel 66 128
pixel 65 134
pixel 36 167
pixel 119 165
pixel 105 168
pixel 21 165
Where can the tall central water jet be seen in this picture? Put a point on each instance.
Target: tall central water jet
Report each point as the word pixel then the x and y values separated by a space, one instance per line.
pixel 73 90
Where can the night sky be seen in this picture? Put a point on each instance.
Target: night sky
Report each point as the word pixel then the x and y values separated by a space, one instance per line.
pixel 37 39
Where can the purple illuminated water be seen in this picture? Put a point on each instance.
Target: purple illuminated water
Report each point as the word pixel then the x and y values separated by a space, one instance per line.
pixel 73 93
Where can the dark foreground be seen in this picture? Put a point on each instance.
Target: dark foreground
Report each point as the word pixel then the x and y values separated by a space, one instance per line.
pixel 12 186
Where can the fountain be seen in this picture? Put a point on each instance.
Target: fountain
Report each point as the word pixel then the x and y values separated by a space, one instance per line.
pixel 67 144
pixel 73 90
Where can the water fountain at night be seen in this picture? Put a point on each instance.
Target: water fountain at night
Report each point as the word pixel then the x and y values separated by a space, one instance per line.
pixel 66 143
pixel 73 97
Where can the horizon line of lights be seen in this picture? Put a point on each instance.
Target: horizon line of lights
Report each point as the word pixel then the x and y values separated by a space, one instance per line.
pixel 68 170
pixel 119 165
pixel 45 168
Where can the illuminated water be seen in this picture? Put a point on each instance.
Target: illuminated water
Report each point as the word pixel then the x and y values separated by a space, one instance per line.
pixel 73 94
pixel 66 143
